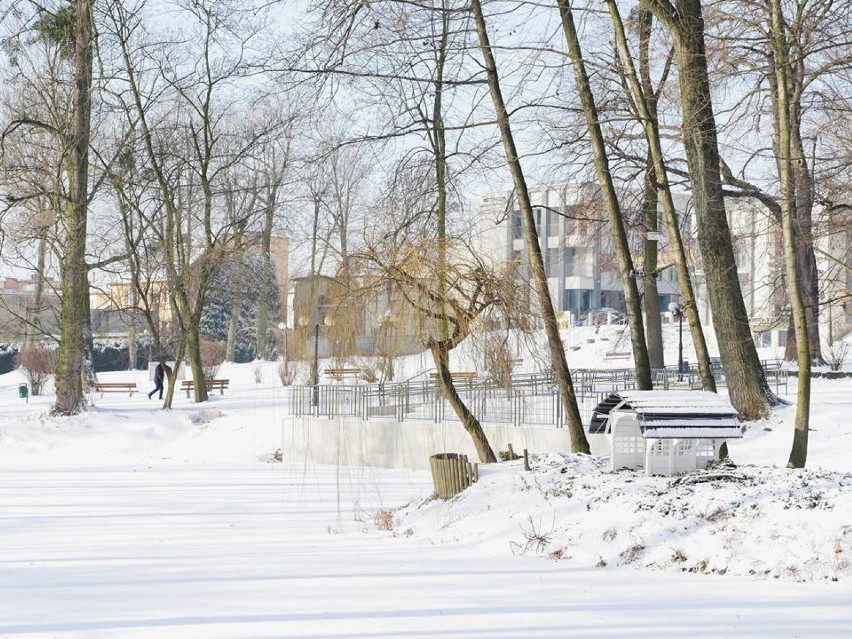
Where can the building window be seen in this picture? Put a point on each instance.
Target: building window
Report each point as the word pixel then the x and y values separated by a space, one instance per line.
pixel 517 225
pixel 612 299
pixel 569 262
pixel 554 224
pixel 552 265
pixel 578 301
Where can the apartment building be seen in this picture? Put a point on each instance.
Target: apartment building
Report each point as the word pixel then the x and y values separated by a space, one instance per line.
pixel 582 273
pixel 576 245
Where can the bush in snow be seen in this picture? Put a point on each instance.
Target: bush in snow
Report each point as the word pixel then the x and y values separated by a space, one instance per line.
pixel 286 373
pixel 212 356
pixel 835 354
pixel 38 365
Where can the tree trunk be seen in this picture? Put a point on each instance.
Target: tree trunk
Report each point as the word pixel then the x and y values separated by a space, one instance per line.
pixel 747 386
pixel 653 319
pixel 236 304
pixel 469 421
pixel 34 331
pixel 613 208
pixel 172 374
pixel 193 353
pixel 579 443
pixel 75 284
pixel 803 188
pixel 266 275
pixel 645 97
pixel 799 451
pixel 89 374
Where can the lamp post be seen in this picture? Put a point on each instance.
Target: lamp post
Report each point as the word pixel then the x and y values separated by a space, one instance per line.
pixel 677 313
pixel 315 368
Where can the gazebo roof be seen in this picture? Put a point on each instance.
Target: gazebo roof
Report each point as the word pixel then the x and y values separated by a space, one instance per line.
pixel 672 414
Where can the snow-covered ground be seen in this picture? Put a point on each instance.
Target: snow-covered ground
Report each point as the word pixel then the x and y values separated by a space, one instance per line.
pixel 128 521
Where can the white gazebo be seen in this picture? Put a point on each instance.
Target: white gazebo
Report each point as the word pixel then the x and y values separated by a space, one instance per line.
pixel 667 432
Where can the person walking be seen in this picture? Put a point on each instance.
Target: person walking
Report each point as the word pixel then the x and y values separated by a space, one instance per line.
pixel 159 375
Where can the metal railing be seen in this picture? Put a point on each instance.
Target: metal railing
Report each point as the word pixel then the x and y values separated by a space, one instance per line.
pixel 530 398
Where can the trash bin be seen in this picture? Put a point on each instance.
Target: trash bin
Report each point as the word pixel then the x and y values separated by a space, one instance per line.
pixel 23 392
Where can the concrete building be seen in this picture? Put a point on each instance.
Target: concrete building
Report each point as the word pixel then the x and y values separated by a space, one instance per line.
pixel 576 246
pixel 582 273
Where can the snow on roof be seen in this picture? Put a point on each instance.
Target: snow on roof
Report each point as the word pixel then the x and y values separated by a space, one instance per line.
pixel 672 414
pixel 675 401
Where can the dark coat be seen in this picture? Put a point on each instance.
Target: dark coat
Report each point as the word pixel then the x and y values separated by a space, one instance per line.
pixel 159 374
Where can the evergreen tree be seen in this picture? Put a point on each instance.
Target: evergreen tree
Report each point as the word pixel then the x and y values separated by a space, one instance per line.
pixel 217 310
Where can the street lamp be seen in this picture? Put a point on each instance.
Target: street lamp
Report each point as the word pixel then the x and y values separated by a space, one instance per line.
pixel 677 313
pixel 315 369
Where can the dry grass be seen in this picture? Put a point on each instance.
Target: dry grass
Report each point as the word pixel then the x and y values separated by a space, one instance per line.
pixel 383 520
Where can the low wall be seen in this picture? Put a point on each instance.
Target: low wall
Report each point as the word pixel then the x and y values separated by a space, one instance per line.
pixel 349 441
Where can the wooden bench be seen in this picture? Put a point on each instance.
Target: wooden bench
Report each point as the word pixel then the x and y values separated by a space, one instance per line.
pixel 455 376
pixel 618 355
pixel 340 373
pixel 115 387
pixel 188 385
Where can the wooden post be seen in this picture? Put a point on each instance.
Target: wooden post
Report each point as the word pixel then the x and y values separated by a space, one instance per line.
pixel 452 473
pixel 526 459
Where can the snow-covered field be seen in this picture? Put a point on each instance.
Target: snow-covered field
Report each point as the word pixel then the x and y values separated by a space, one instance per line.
pixel 131 522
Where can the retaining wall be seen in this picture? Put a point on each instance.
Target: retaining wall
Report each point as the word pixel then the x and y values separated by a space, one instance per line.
pixel 390 444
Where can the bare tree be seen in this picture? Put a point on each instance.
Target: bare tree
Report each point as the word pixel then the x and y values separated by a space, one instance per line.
pixel 818 43
pixel 616 220
pixel 799 451
pixel 749 391
pixel 191 137
pixel 448 298
pixel 579 443
pixel 643 98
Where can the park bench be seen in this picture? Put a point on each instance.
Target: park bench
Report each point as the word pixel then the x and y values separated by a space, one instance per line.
pixel 212 384
pixel 460 375
pixel 617 355
pixel 115 387
pixel 340 373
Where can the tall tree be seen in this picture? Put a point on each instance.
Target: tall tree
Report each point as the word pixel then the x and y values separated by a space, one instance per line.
pixel 616 221
pixel 274 163
pixel 643 98
pixel 75 284
pixel 786 157
pixel 409 60
pixel 556 348
pixel 191 136
pixel 818 41
pixel 750 394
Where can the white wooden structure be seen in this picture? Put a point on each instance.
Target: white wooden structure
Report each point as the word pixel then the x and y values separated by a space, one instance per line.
pixel 666 432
